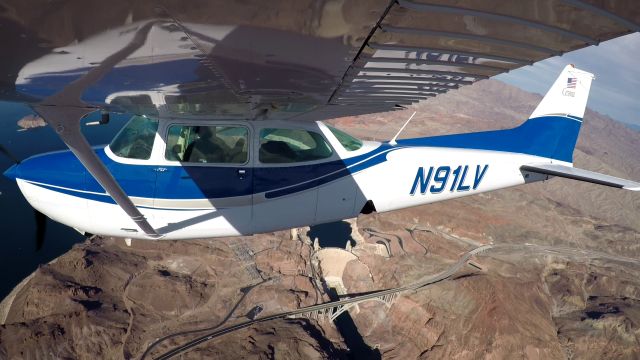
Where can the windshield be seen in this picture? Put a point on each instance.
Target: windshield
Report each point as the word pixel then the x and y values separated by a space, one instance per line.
pixel 348 142
pixel 135 141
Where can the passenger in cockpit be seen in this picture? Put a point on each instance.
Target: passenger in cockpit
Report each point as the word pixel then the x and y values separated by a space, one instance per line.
pixel 208 148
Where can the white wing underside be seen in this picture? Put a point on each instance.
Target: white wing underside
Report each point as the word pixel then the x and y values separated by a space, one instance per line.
pixel 301 60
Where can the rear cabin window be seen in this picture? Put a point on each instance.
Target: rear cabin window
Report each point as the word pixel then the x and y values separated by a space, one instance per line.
pixel 207 144
pixel 135 141
pixel 279 146
pixel 349 142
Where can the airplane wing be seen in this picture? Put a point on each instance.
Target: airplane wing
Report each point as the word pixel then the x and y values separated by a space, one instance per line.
pixel 282 59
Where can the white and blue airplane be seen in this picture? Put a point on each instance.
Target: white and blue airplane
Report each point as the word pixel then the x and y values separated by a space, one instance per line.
pixel 194 179
pixel 229 96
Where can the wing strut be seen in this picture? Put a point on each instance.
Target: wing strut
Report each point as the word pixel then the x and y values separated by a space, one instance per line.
pixel 65 120
pixel 64 110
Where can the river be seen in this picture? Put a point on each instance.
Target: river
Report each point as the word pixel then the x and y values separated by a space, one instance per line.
pixel 336 234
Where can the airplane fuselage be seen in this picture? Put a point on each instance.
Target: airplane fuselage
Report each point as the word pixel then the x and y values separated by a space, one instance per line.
pixel 261 186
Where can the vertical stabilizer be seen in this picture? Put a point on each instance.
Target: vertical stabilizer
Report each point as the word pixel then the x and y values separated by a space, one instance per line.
pixel 568 95
pixel 551 132
pixel 553 128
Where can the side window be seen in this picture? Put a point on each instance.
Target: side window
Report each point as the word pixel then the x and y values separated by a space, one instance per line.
pixel 207 144
pixel 135 141
pixel 349 142
pixel 291 145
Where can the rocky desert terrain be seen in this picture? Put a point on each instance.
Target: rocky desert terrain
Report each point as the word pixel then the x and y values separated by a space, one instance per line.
pixel 561 282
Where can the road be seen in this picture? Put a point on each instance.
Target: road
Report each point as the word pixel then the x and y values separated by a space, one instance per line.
pixel 187 332
pixel 445 235
pixel 414 286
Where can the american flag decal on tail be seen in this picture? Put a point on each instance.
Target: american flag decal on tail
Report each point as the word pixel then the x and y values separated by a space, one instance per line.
pixel 571 83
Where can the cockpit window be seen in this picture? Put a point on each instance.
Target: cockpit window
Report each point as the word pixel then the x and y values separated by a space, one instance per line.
pixel 292 145
pixel 208 144
pixel 135 141
pixel 349 142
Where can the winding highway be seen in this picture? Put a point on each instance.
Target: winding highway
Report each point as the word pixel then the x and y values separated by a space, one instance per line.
pixel 414 286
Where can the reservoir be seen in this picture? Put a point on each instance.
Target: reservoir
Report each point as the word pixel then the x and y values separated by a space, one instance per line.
pixel 19 255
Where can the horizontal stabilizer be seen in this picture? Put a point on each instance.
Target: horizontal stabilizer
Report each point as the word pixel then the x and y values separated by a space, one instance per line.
pixel 582 175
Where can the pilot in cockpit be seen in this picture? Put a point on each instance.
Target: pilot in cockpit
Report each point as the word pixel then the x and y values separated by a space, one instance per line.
pixel 208 148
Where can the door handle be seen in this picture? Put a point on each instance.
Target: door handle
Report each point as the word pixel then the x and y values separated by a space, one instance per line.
pixel 242 173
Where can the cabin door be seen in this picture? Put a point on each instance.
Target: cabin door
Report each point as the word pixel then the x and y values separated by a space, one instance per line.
pixel 291 163
pixel 209 183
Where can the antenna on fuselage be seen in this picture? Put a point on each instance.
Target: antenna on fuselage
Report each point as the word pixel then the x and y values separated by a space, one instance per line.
pixel 393 140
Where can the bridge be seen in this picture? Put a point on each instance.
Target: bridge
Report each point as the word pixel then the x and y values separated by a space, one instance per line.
pixel 332 313
pixel 333 309
pixel 329 309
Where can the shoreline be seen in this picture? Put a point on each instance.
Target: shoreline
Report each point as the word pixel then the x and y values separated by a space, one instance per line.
pixel 5 304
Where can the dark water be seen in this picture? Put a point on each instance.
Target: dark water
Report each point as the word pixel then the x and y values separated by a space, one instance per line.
pixel 358 349
pixel 336 234
pixel 18 255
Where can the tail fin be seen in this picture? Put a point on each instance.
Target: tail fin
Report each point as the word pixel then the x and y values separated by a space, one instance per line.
pixel 561 112
pixel 555 123
pixel 568 95
pixel 550 133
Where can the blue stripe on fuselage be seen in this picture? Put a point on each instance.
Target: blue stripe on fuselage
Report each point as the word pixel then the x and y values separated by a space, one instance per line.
pixel 347 167
pixel 62 169
pixel 550 136
pixel 546 136
pixel 104 197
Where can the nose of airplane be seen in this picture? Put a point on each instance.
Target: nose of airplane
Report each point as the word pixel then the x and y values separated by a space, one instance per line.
pixel 59 168
pixel 12 172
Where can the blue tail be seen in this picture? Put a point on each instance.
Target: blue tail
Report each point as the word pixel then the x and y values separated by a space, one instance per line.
pixel 551 131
